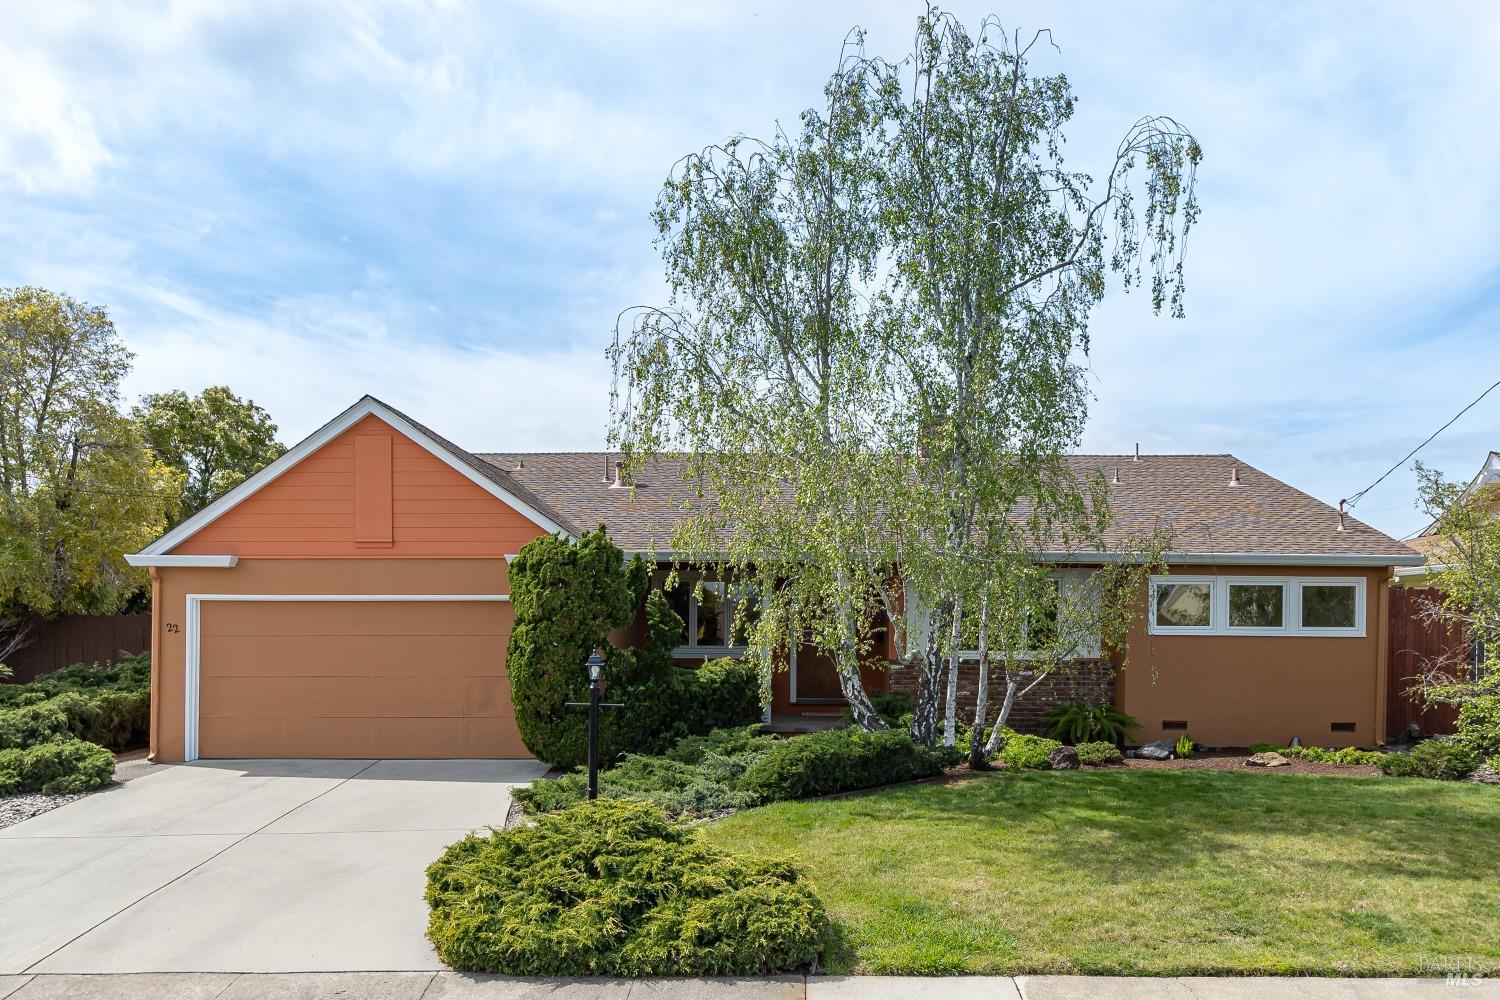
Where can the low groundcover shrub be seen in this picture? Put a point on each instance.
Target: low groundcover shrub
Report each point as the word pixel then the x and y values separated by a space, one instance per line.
pixel 1442 759
pixel 614 888
pixel 58 766
pixel 1026 751
pixel 734 768
pixel 1098 753
pixel 56 732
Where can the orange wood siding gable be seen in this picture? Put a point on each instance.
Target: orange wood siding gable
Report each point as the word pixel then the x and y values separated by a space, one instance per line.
pixel 371 491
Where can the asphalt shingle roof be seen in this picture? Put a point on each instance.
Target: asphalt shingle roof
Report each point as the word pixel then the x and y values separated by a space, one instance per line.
pixel 1190 497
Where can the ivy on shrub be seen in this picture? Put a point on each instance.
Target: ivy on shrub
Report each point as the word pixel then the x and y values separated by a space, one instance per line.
pixel 1431 759
pixel 613 888
pixel 58 766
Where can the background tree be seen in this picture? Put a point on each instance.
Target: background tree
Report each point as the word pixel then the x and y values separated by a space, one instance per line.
pixel 78 487
pixel 1468 582
pixel 872 351
pixel 214 439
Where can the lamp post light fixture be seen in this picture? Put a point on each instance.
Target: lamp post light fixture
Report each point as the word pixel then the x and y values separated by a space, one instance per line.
pixel 595 667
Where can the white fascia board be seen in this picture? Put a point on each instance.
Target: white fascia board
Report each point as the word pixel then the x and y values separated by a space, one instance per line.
pixel 185 562
pixel 320 437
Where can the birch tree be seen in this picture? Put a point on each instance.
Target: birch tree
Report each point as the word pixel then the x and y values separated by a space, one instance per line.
pixel 1000 253
pixel 765 369
pixel 873 352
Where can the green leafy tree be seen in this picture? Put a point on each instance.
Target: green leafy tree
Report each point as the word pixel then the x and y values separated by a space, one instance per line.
pixel 871 353
pixel 78 487
pixel 1467 519
pixel 214 439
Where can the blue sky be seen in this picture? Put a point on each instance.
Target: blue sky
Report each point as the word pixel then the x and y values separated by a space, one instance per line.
pixel 446 204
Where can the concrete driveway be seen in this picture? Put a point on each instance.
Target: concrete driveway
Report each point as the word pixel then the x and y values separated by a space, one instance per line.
pixel 243 866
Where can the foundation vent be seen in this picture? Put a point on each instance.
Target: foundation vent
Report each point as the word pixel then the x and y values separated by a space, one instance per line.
pixel 1341 727
pixel 1174 724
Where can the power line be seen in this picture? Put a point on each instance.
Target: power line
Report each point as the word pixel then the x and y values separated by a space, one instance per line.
pixel 1351 501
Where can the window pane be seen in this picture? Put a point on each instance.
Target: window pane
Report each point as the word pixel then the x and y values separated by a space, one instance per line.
pixel 678 598
pixel 1041 623
pixel 1183 605
pixel 746 614
pixel 1256 605
pixel 1327 605
pixel 711 615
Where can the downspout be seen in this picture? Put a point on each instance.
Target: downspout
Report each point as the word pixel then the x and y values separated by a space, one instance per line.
pixel 152 742
pixel 1383 655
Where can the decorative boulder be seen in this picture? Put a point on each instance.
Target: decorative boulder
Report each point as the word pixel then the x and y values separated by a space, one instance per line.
pixel 1268 759
pixel 1063 759
pixel 1157 750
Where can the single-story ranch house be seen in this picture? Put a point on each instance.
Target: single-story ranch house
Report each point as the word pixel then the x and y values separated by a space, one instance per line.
pixel 350 600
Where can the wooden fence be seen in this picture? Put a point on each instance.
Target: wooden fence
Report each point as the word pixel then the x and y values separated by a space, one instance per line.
pixel 1412 643
pixel 80 639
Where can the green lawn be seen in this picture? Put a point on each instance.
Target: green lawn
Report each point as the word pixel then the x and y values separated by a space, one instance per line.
pixel 1150 872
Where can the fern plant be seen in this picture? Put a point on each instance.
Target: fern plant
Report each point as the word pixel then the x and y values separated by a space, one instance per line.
pixel 1081 722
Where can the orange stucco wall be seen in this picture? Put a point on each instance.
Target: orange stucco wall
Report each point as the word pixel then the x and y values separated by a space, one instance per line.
pixel 1240 690
pixel 310 510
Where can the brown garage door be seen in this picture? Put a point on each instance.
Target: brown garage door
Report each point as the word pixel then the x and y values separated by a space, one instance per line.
pixel 355 679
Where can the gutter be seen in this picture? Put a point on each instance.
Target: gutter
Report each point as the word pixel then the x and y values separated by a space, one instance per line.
pixel 1181 558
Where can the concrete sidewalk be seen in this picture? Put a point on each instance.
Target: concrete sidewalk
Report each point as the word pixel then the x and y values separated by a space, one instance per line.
pixel 458 986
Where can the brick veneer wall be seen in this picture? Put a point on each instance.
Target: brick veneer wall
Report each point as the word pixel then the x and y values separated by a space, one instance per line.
pixel 1093 682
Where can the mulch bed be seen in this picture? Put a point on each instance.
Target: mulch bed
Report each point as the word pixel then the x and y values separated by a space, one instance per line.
pixel 1226 760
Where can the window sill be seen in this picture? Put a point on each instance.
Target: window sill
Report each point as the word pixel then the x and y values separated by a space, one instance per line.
pixel 706 652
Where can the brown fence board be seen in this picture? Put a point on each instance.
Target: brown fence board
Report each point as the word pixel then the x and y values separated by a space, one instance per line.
pixel 1413 642
pixel 80 639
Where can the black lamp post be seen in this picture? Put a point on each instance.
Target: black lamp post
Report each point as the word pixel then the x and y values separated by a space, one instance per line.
pixel 596 672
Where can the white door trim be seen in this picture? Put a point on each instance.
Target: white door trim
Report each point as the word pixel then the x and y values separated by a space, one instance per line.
pixel 192 638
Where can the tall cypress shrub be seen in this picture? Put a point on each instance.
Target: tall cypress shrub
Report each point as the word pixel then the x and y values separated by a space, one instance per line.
pixel 567 597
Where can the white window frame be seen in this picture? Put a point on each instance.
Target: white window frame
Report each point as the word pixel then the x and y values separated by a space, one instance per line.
pixel 1291 606
pixel 730 605
pixel 1069 582
pixel 1215 619
pixel 1287 604
pixel 1360 604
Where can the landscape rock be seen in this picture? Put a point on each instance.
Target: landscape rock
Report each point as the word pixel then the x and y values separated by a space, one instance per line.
pixel 1268 759
pixel 1063 759
pixel 1156 750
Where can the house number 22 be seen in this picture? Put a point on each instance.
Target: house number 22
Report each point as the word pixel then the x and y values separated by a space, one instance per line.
pixel 173 628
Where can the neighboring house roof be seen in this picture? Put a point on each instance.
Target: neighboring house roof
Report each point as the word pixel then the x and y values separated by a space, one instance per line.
pixel 1190 497
pixel 1213 508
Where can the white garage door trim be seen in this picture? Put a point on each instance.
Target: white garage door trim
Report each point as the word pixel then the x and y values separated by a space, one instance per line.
pixel 193 636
